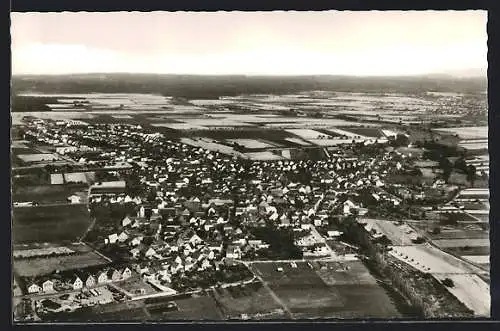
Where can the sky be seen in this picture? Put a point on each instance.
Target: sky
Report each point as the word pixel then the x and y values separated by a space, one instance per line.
pixel 371 43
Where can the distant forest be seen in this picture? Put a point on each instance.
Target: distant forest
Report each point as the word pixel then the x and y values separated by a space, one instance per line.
pixel 211 87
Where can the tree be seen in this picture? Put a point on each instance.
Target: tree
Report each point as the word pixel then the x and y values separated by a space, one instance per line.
pixel 446 167
pixel 471 174
pixel 448 282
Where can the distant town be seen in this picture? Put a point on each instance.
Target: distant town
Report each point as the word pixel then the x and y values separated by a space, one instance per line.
pixel 311 204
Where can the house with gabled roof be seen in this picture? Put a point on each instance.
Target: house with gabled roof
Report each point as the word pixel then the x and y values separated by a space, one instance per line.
pixel 112 238
pixel 126 221
pixel 136 241
pixel 48 286
pixel 102 277
pixel 195 239
pixel 126 273
pixel 90 281
pixel 116 275
pixel 123 236
pixel 150 252
pixel 77 283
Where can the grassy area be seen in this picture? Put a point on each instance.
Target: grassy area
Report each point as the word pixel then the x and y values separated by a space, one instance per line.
pixel 49 223
pixel 47 265
pixel 45 194
pixel 249 299
pixel 368 132
pixel 328 290
pixel 191 308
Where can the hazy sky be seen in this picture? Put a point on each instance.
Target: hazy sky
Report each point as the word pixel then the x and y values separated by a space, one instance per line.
pixel 288 43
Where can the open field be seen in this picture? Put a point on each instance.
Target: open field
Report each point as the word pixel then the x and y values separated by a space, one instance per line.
pixel 466 251
pixel 298 141
pixel 249 299
pixel 477 259
pixel 429 259
pixel 451 243
pixel 367 132
pixel 306 133
pixel 191 308
pixel 41 252
pixel 475 132
pixel 49 223
pixel 251 143
pixel 343 273
pixel 460 234
pixel 45 194
pixel 136 285
pixel 31 158
pixel 126 311
pixel 471 290
pixel 47 265
pixel 266 155
pixel 312 292
pixel 17 151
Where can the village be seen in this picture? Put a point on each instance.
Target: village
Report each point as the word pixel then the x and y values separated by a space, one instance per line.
pixel 171 218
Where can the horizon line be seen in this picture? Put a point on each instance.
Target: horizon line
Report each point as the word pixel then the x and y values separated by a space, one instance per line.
pixel 429 75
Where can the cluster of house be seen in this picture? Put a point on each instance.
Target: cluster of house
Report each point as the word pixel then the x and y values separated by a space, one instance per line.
pixel 201 195
pixel 79 279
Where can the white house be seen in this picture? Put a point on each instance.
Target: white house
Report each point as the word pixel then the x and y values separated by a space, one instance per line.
pixel 113 238
pixel 77 283
pixel 33 288
pixel 122 237
pixel 127 273
pixel 126 221
pixel 233 252
pixel 48 286
pixel 102 278
pixel 150 252
pixel 74 199
pixel 136 241
pixel 90 281
pixel 195 240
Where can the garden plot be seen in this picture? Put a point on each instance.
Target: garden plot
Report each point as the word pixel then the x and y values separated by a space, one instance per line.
pixel 429 259
pixel 471 290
